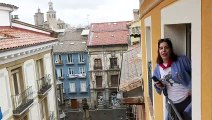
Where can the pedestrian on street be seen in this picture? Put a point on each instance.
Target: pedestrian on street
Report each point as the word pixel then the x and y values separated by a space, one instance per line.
pixel 173 74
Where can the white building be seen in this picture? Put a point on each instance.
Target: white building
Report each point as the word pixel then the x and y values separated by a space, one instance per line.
pixel 27 80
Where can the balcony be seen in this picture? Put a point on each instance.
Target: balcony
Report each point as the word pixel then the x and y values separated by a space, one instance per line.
pixel 44 85
pixel 71 76
pixel 22 101
pixel 116 67
pixel 114 85
pixel 83 75
pixel 97 67
pixel 51 116
pixel 58 62
pixel 173 114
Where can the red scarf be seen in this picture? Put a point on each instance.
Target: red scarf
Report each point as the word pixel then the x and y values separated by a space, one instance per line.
pixel 168 65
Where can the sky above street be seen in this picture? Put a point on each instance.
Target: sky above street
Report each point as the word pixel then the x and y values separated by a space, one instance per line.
pixel 76 12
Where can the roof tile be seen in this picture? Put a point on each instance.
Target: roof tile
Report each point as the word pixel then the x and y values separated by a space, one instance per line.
pixel 18 37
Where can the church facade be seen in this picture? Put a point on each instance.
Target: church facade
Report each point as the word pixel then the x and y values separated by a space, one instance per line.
pixel 52 22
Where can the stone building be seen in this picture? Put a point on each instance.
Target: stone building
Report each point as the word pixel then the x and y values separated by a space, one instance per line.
pixel 106 44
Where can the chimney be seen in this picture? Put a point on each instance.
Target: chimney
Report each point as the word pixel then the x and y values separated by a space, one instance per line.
pixel 135 14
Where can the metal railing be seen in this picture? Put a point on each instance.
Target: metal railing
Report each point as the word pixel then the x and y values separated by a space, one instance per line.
pixel 44 84
pixel 51 115
pixel 22 101
pixel 150 81
pixel 173 114
pixel 97 67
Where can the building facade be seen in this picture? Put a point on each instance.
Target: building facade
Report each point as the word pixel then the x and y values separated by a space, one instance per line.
pixel 106 44
pixel 52 22
pixel 27 80
pixel 71 66
pixel 190 32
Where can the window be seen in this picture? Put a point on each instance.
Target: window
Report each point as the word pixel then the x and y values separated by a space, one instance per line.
pixel 70 71
pixel 83 86
pixel 58 59
pixel 98 81
pixel 97 64
pixel 59 73
pixel 81 57
pixel 82 70
pixel 16 77
pixel 70 58
pixel 72 87
pixel 113 62
pixel 114 80
pixel 40 69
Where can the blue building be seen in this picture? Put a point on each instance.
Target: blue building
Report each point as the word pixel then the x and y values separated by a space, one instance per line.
pixel 72 66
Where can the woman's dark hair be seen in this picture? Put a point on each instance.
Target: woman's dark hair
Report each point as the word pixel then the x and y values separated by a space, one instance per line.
pixel 173 56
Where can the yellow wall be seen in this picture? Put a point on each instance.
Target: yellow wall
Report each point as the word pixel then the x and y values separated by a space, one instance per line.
pixel 206 60
pixel 156 35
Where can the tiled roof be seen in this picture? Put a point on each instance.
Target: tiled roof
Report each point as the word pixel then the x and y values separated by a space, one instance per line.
pixel 70 46
pixel 109 33
pixel 71 41
pixel 8 5
pixel 14 37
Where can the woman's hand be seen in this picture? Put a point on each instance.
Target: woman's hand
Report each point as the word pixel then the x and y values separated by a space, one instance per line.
pixel 159 85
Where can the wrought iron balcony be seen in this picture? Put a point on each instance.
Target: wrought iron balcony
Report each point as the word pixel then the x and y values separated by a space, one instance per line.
pixel 22 101
pixel 97 67
pixel 71 76
pixel 44 85
pixel 83 75
pixel 51 116
pixel 173 114
pixel 114 67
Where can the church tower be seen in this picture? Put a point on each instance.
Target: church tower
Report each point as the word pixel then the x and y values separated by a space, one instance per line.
pixel 51 17
pixel 39 18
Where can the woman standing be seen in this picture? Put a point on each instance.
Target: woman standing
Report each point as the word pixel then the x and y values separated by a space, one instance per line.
pixel 174 75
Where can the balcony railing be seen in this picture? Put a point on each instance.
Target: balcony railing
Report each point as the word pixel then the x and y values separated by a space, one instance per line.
pixel 22 101
pixel 44 85
pixel 51 116
pixel 114 67
pixel 114 85
pixel 97 67
pixel 71 76
pixel 150 81
pixel 83 75
pixel 173 114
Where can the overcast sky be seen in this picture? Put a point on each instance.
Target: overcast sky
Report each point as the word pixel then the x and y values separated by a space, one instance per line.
pixel 75 12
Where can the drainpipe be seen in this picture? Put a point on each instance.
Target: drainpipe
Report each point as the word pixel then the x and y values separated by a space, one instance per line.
pixel 10 17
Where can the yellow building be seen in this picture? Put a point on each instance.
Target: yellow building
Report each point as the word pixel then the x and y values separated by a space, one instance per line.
pixel 188 24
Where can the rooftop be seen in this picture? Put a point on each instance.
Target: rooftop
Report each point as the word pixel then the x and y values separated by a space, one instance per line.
pixel 108 33
pixel 13 38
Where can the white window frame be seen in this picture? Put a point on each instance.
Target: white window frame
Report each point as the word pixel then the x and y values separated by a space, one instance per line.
pixel 72 87
pixel 82 70
pixel 83 86
pixel 81 58
pixel 71 71
pixel 70 58
pixel 59 70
